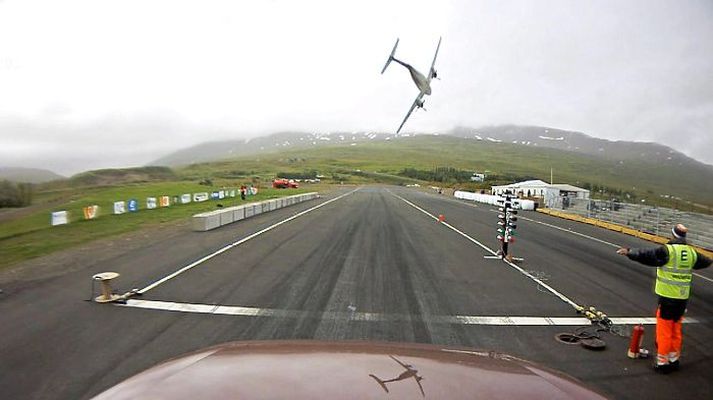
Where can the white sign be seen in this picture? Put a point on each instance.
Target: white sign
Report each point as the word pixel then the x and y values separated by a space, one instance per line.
pixel 119 207
pixel 221 194
pixel 199 197
pixel 185 198
pixel 59 218
pixel 151 203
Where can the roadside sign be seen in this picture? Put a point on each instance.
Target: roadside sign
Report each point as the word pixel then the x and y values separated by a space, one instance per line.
pixel 133 205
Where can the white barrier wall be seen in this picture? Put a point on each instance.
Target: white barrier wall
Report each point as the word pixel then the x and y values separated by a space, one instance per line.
pixel 215 219
pixel 527 205
pixel 238 213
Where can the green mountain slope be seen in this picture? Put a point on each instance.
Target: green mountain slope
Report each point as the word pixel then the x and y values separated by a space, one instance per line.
pixel 639 176
pixel 28 175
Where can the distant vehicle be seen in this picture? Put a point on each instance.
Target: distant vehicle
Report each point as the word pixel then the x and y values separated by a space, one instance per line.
pixel 281 183
pixel 422 83
pixel 476 177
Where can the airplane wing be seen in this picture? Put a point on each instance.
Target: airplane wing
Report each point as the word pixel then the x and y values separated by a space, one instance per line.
pixel 415 103
pixel 432 72
pixel 398 361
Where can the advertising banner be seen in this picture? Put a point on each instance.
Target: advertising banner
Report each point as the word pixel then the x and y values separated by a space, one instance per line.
pixel 221 194
pixel 185 198
pixel 232 193
pixel 91 212
pixel 133 205
pixel 151 203
pixel 200 197
pixel 59 218
pixel 214 196
pixel 119 207
pixel 164 201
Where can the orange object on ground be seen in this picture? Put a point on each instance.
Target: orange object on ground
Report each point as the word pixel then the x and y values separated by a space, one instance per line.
pixel 637 336
pixel 668 339
pixel 441 218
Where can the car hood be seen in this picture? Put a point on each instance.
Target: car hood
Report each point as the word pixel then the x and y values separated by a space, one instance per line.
pixel 347 370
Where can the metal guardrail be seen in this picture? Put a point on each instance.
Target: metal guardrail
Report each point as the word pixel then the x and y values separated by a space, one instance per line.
pixel 644 218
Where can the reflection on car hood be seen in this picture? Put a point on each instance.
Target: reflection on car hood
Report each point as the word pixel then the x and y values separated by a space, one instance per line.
pixel 347 370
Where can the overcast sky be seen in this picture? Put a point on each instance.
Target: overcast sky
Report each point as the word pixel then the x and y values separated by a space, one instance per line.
pixel 93 84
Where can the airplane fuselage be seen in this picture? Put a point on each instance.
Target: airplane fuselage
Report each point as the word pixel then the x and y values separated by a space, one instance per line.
pixel 421 82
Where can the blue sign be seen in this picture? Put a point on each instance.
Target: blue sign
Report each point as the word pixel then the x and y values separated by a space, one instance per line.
pixel 215 196
pixel 133 205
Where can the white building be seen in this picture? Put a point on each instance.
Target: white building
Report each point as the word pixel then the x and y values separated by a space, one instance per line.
pixel 554 195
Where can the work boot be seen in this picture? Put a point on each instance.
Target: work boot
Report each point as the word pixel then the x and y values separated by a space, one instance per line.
pixel 674 365
pixel 662 368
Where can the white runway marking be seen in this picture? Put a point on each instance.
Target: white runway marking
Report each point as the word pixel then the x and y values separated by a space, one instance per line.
pixel 590 238
pixel 702 277
pixel 596 240
pixel 215 309
pixel 572 232
pixel 239 242
pixel 522 271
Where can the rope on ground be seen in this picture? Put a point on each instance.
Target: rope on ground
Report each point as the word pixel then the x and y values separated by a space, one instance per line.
pixel 590 337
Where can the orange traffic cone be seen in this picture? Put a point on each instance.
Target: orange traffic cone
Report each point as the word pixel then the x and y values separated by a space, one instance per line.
pixel 441 218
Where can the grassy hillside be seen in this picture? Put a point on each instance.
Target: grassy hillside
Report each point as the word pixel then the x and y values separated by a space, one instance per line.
pixel 645 180
pixel 117 176
pixel 28 175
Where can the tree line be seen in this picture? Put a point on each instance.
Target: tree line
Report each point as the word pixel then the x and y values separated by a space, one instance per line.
pixel 311 174
pixel 438 174
pixel 14 194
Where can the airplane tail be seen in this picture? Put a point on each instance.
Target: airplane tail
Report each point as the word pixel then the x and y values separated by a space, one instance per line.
pixel 391 56
pixel 383 385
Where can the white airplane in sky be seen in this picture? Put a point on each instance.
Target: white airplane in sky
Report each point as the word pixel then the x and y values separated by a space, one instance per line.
pixel 422 83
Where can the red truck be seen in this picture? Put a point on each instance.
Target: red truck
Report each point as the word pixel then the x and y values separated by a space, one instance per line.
pixel 281 183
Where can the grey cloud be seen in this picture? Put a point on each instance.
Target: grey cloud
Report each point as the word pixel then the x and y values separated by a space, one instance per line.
pixel 634 70
pixel 70 147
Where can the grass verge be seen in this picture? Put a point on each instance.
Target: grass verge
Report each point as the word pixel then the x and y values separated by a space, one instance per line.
pixel 32 235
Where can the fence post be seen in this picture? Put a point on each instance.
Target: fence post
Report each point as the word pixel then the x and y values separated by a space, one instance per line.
pixel 658 216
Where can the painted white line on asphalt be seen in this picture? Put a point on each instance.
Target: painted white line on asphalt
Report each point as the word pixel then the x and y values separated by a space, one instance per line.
pixel 595 239
pixel 592 238
pixel 702 277
pixel 486 248
pixel 239 242
pixel 572 232
pixel 214 309
pixel 522 271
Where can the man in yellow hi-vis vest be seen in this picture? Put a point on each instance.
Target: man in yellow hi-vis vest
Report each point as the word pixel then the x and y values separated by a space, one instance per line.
pixel 675 262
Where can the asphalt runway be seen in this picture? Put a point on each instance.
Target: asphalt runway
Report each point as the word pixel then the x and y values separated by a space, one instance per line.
pixel 371 264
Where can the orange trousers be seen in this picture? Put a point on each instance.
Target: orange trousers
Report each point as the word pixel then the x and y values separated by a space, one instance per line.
pixel 668 339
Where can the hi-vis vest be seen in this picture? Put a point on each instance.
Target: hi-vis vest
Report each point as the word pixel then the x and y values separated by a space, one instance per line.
pixel 673 280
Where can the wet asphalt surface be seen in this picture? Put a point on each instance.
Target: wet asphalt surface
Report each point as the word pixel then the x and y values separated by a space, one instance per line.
pixel 367 253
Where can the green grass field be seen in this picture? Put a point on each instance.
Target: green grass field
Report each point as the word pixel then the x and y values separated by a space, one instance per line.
pixel 32 235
